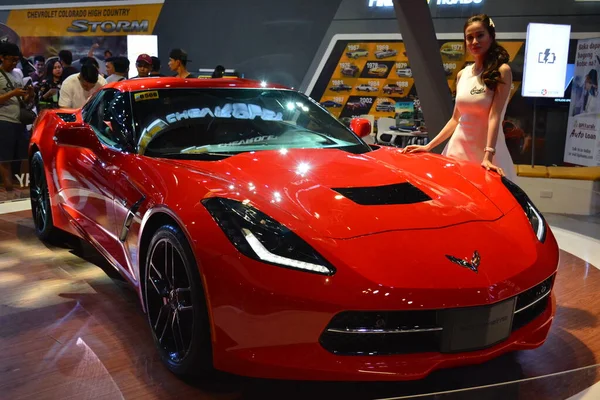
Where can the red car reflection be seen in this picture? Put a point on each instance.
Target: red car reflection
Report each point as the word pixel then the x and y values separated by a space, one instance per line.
pixel 520 143
pixel 266 239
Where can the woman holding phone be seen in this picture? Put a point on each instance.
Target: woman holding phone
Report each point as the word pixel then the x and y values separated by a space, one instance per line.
pixel 49 89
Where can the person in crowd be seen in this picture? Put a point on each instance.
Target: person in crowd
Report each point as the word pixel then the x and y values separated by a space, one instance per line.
pixel 66 59
pixel 18 74
pixel 482 94
pixel 118 69
pixel 88 60
pixel 49 89
pixel 143 64
pixel 110 68
pixel 78 88
pixel 178 60
pixel 219 72
pixel 101 62
pixel 155 67
pixel 26 67
pixel 39 62
pixel 12 93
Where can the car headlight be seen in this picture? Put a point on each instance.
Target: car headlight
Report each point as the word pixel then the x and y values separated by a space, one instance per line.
pixel 260 237
pixel 533 214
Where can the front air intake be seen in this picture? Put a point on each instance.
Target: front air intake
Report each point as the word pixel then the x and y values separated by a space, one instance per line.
pixel 398 193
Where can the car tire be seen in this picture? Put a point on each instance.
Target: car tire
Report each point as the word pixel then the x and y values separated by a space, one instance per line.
pixel 41 209
pixel 176 304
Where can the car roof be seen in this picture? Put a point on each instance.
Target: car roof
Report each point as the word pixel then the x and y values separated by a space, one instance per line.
pixel 132 85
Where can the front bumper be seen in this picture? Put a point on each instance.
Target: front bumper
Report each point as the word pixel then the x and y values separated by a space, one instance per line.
pixel 310 361
pixel 269 321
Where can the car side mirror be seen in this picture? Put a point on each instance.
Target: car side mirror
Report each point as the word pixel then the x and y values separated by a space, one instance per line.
pixel 77 136
pixel 361 126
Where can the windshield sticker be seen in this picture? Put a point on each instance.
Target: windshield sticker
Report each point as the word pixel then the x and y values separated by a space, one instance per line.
pixel 236 111
pixel 248 141
pixel 141 96
pixel 148 133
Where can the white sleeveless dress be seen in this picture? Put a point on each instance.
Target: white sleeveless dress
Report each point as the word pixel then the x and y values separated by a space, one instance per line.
pixel 474 100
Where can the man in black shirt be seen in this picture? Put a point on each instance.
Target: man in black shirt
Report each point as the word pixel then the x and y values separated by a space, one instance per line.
pixel 178 60
pixel 66 59
pixel 155 67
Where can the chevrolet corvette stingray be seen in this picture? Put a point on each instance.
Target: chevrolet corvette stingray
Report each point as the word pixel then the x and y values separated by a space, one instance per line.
pixel 265 238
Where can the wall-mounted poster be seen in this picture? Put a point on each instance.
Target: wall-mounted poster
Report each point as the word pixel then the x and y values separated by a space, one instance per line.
pixel 373 77
pixel 96 29
pixel 582 146
pixel 82 28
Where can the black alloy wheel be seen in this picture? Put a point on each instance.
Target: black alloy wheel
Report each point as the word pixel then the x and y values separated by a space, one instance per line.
pixel 40 199
pixel 175 304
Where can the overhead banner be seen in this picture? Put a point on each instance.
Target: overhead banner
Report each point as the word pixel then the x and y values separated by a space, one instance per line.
pixel 98 29
pixel 87 20
pixel 79 27
pixel 582 146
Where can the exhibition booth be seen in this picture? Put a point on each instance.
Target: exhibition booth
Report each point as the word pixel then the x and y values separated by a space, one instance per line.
pixel 362 70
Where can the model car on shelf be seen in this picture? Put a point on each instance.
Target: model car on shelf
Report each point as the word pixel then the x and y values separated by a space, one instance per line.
pixel 404 72
pixel 452 54
pixel 366 88
pixel 351 70
pixel 341 88
pixel 386 106
pixel 331 104
pixel 385 53
pixel 356 105
pixel 357 53
pixel 392 88
pixel 406 115
pixel 380 70
pixel 256 230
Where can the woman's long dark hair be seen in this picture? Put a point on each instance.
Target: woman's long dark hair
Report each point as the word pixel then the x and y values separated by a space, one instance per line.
pixel 496 54
pixel 50 70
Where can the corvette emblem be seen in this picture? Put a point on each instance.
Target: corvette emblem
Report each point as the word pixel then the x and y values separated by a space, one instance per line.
pixel 472 265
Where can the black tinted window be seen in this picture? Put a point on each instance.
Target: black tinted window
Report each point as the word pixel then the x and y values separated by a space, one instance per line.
pixel 110 117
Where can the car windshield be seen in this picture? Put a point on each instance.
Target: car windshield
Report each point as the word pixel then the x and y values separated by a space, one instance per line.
pixel 212 124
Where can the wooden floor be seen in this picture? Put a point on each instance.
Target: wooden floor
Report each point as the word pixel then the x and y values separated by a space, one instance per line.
pixel 69 330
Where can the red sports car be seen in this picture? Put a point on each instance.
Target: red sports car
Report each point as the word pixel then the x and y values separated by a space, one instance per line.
pixel 267 239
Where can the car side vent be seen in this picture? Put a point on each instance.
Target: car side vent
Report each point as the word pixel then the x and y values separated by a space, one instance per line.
pixel 398 193
pixel 67 117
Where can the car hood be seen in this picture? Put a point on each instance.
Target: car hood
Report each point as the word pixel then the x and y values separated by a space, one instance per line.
pixel 342 195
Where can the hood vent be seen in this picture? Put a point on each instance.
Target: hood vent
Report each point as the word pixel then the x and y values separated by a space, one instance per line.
pixel 67 117
pixel 399 193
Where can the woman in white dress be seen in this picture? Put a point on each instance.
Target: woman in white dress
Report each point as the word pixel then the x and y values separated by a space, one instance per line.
pixel 482 93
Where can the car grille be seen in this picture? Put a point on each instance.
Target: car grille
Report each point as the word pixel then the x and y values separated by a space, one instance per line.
pixel 532 303
pixel 445 331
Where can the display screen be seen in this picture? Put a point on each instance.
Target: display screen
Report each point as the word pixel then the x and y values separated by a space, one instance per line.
pixel 546 56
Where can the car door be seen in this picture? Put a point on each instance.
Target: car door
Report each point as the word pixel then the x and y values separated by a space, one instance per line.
pixel 87 182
